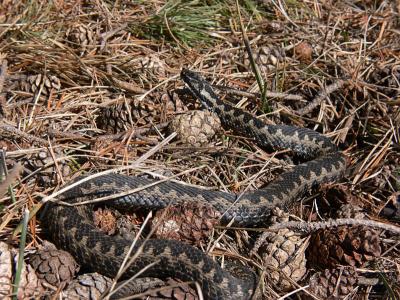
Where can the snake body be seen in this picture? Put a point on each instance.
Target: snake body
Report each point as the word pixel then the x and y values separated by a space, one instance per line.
pixel 71 227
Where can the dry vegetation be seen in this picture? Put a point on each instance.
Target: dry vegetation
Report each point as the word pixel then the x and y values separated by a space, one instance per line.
pixel 332 66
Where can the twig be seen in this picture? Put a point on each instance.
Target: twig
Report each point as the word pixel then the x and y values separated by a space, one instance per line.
pixel 16 132
pixel 66 135
pixel 123 84
pixel 306 227
pixel 20 263
pixel 137 133
pixel 106 35
pixel 144 95
pixel 394 102
pixel 324 93
pixel 3 73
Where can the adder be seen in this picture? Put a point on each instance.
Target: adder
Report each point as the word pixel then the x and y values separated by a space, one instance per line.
pixel 72 229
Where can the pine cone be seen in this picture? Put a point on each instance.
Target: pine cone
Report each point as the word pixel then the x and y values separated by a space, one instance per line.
pixel 152 63
pixel 87 286
pixel 196 127
pixel 266 58
pixel 6 271
pixel 283 254
pixel 333 284
pixel 279 216
pixel 82 38
pixel 54 266
pixel 303 52
pixel 30 286
pixel 121 117
pixel 189 222
pixel 105 220
pixel 33 83
pixel 49 172
pixel 171 104
pixel 113 222
pixel 352 246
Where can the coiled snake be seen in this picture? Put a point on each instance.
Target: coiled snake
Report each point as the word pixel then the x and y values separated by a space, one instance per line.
pixel 72 229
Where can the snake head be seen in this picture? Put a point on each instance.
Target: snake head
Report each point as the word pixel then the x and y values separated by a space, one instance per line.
pixel 200 88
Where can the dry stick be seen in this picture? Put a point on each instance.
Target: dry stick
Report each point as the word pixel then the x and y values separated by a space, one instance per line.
pixel 123 84
pixel 306 227
pixel 19 133
pixel 172 34
pixel 137 133
pixel 106 35
pixel 3 73
pixel 260 81
pixel 140 98
pixel 20 103
pixel 394 102
pixel 324 93
pixel 36 101
pixel 67 135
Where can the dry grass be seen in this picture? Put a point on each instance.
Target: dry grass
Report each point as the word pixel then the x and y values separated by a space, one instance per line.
pixel 333 66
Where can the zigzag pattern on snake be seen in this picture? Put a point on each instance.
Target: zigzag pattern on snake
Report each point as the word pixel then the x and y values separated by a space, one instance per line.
pixel 72 229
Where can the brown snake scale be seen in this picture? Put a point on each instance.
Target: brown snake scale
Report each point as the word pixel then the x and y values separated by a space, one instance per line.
pixel 72 229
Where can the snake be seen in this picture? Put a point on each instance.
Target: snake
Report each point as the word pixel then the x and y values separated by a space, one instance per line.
pixel 71 226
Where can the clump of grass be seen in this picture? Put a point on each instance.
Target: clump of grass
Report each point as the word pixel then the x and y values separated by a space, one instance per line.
pixel 184 22
pixel 189 23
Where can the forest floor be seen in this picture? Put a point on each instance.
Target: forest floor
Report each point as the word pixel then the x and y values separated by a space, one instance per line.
pixel 92 86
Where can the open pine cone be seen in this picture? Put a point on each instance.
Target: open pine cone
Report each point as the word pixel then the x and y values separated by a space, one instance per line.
pixel 344 245
pixel 83 38
pixel 189 222
pixel 121 117
pixel 30 286
pixel 333 284
pixel 53 265
pixel 33 83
